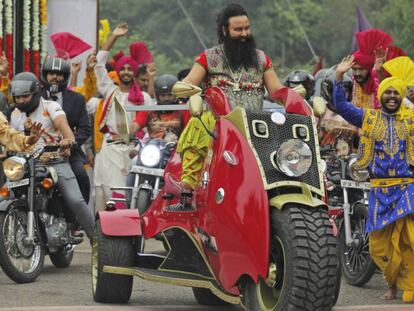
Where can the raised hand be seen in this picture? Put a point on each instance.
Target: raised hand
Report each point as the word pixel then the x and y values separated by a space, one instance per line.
pixel 151 71
pixel 346 64
pixel 36 132
pixel 91 61
pixel 380 57
pixel 120 30
pixel 75 68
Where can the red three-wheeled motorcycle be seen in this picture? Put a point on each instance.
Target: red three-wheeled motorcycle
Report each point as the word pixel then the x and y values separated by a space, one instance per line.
pixel 256 230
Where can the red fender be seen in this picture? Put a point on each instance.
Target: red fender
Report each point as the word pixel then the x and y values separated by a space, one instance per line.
pixel 121 222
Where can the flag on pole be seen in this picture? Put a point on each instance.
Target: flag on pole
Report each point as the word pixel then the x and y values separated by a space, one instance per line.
pixel 361 24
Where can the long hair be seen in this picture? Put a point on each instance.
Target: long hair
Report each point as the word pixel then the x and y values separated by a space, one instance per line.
pixel 231 10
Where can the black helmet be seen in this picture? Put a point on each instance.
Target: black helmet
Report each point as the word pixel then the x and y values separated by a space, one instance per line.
pixel 327 87
pixel 164 85
pixel 301 77
pixel 59 65
pixel 26 83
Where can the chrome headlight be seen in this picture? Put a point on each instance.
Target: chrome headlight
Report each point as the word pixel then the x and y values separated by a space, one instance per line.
pixel 357 175
pixel 14 168
pixel 294 157
pixel 150 155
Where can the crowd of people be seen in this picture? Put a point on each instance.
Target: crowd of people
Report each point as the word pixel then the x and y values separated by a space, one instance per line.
pixel 370 110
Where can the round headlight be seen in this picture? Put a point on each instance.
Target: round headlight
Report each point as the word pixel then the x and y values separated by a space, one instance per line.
pixel 150 155
pixel 357 175
pixel 14 168
pixel 294 157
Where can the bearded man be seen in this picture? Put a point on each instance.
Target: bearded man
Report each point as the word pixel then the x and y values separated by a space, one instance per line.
pixel 236 67
pixel 387 150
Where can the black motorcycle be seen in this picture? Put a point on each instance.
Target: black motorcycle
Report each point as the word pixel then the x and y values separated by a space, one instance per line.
pixel 33 217
pixel 348 191
pixel 147 172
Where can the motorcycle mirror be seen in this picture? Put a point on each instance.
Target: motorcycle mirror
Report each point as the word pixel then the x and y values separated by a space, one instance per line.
pixel 300 90
pixel 182 89
pixel 319 106
pixel 196 105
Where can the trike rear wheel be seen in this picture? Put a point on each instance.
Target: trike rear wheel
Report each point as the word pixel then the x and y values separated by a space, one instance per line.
pixel 111 251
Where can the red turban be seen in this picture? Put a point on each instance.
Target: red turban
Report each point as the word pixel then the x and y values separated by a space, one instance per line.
pixel 140 53
pixel 368 41
pixel 135 95
pixel 126 60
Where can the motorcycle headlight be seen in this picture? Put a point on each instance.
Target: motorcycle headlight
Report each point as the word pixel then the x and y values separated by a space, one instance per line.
pixel 294 157
pixel 14 168
pixel 150 155
pixel 357 175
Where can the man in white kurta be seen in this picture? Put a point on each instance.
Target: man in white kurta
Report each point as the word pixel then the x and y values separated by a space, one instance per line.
pixel 112 161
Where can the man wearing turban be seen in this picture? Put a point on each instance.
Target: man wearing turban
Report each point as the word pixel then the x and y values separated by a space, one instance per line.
pixel 112 162
pixel 364 75
pixel 387 150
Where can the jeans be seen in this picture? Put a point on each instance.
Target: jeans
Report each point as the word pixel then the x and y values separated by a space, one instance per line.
pixel 72 195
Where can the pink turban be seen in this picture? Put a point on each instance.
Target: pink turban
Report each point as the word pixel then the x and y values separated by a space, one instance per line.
pixel 135 95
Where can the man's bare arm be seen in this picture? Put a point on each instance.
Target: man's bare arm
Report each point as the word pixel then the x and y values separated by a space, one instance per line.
pixel 196 76
pixel 62 125
pixel 271 81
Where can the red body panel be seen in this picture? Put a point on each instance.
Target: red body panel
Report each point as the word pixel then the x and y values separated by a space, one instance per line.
pixel 121 222
pixel 217 100
pixel 240 224
pixel 293 102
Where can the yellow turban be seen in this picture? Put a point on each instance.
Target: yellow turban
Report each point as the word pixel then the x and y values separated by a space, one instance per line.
pixel 401 67
pixel 402 75
pixel 394 82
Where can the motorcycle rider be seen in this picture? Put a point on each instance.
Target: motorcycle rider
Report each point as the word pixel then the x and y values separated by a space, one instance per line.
pixel 31 107
pixel 55 77
pixel 166 125
pixel 301 77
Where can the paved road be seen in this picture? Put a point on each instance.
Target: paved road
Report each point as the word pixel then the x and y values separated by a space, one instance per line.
pixel 72 287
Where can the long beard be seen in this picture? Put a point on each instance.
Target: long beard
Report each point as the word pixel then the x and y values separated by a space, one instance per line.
pixel 241 53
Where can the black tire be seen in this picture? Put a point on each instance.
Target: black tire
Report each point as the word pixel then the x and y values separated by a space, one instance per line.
pixel 113 251
pixel 62 259
pixel 305 263
pixel 356 263
pixel 8 253
pixel 206 297
pixel 143 200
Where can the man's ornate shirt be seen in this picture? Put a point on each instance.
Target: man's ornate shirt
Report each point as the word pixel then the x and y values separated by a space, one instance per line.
pixel 243 87
pixel 387 150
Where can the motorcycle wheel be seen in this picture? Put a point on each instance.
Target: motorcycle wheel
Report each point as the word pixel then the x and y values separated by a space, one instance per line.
pixel 356 264
pixel 112 251
pixel 303 265
pixel 143 200
pixel 206 297
pixel 61 259
pixel 22 263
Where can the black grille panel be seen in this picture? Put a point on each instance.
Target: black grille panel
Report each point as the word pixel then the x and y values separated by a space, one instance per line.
pixel 278 134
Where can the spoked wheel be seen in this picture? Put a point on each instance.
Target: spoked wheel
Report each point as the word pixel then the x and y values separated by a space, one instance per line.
pixel 356 264
pixel 22 261
pixel 303 265
pixel 112 251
